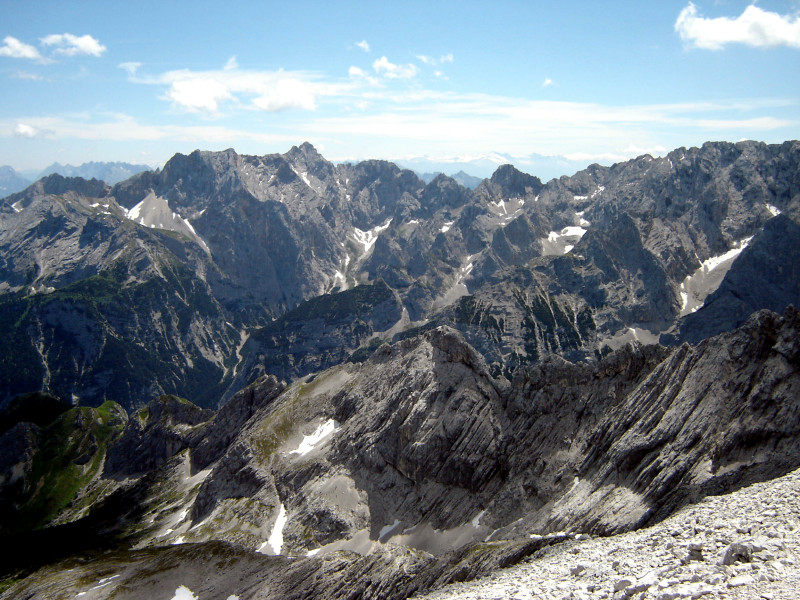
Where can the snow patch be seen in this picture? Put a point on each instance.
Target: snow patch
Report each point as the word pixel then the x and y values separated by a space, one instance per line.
pixel 774 210
pixel 697 286
pixel 387 529
pixel 476 522
pixel 16 206
pixel 184 593
pixel 501 205
pixel 310 442
pixel 712 263
pixel 303 176
pixel 274 544
pixel 446 227
pixel 368 238
pixel 133 214
pixel 154 212
pixel 579 198
pixel 573 230
pixel 558 242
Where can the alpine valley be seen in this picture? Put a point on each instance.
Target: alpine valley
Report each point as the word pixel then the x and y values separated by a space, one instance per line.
pixel 279 377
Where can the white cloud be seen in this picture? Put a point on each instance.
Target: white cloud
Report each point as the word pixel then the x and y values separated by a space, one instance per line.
pixel 754 27
pixel 383 67
pixel 287 93
pixel 231 64
pixel 445 123
pixel 547 82
pixel 72 45
pixel 364 45
pixel 199 94
pixel 208 91
pixel 356 72
pixel 13 48
pixel 124 128
pixel 24 130
pixel 447 58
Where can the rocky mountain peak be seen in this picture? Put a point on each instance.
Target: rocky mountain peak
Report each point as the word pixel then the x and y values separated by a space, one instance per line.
pixel 58 184
pixel 305 150
pixel 515 182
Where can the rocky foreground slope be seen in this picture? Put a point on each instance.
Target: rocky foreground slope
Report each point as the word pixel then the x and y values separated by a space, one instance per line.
pixel 743 545
pixel 411 470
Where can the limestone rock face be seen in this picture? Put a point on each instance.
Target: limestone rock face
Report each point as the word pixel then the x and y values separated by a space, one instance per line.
pixel 709 418
pixel 425 416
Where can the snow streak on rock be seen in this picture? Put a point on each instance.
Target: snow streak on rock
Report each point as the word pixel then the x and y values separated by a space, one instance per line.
pixel 310 442
pixel 274 544
pixel 368 238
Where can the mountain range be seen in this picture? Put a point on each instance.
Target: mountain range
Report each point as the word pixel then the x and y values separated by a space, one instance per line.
pixel 111 172
pixel 406 383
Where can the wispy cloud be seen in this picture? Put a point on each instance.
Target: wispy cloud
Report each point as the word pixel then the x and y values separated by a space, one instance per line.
pixel 364 45
pixel 388 109
pixel 68 44
pixel 61 44
pixel 125 128
pixel 130 67
pixel 433 61
pixel 26 75
pixel 13 48
pixel 754 27
pixel 547 82
pixel 446 122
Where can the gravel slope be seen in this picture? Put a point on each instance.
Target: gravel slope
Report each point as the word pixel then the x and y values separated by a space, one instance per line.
pixel 744 545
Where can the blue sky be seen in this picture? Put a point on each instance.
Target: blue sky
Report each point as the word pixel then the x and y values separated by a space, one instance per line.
pixel 592 81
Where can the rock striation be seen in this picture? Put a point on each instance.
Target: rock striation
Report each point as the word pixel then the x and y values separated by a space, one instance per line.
pixel 416 469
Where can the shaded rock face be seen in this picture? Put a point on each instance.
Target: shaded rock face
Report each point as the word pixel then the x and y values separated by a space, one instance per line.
pixel 210 443
pixel 320 333
pixel 153 435
pixel 772 260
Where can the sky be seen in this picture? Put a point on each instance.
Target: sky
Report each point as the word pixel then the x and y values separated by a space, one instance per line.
pixel 589 81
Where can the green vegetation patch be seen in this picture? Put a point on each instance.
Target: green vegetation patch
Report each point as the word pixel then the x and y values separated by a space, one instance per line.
pixel 68 459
